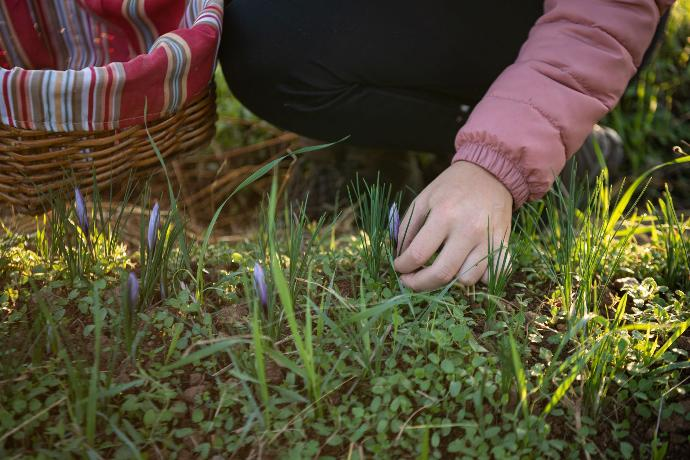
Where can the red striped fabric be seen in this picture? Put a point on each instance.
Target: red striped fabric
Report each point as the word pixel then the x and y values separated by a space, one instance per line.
pixel 85 65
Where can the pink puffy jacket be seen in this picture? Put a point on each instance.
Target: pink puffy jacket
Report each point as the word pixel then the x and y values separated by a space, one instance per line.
pixel 570 72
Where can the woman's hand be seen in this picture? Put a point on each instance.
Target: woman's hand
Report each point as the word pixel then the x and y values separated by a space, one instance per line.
pixel 452 216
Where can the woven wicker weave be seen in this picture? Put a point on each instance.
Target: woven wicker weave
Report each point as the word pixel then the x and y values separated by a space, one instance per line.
pixel 35 164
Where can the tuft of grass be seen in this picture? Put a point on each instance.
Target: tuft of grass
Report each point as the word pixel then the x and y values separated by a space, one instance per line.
pixel 671 231
pixel 372 202
pixel 302 337
pixel 300 248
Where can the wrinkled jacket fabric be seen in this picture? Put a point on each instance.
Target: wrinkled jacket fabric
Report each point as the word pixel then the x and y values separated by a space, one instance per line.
pixel 571 71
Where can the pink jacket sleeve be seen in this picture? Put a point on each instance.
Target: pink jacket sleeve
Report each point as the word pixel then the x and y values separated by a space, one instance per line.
pixel 570 72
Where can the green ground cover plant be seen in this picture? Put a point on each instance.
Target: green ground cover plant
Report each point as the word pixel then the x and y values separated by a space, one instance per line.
pixel 300 341
pixel 306 344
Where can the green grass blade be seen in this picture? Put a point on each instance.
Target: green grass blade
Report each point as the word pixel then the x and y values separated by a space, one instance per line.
pixel 124 438
pixel 519 371
pixel 203 353
pixel 284 361
pixel 626 197
pixel 259 365
pixel 92 401
pixel 378 310
pixel 678 332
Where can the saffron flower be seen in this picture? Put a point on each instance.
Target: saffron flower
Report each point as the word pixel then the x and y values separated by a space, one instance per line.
pixel 80 208
pixel 154 224
pixel 394 222
pixel 132 290
pixel 260 283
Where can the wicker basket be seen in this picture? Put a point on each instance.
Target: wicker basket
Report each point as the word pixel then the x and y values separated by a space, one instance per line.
pixel 35 164
pixel 78 79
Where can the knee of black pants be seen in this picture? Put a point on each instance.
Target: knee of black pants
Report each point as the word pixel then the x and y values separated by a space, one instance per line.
pixel 274 71
pixel 298 70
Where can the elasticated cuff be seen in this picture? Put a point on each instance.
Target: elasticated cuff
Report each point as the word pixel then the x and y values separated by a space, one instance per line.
pixel 498 164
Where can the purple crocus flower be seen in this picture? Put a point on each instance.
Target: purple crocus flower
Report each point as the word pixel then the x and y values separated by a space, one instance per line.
pixel 154 223
pixel 260 283
pixel 394 222
pixel 132 289
pixel 82 216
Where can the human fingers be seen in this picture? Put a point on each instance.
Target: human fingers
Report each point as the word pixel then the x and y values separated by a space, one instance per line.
pixel 474 266
pixel 445 267
pixel 422 246
pixel 412 222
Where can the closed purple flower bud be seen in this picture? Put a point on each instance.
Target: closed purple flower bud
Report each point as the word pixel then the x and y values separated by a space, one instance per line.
pixel 154 223
pixel 260 283
pixel 394 222
pixel 80 207
pixel 132 289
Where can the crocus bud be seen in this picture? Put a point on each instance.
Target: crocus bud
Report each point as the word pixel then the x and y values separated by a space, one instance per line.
pixel 260 283
pixel 132 290
pixel 154 223
pixel 394 222
pixel 80 207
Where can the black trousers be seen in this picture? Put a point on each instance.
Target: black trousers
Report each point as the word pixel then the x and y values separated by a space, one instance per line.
pixel 394 74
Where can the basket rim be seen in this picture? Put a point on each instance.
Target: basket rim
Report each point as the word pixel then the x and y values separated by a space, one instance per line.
pixel 120 133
